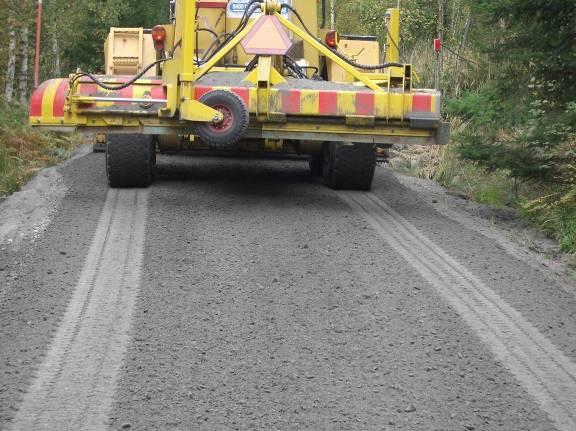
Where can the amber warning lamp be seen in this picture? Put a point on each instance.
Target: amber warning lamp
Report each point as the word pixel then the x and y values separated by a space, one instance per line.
pixel 332 39
pixel 159 36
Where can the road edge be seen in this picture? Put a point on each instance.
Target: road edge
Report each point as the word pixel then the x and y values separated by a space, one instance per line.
pixel 26 214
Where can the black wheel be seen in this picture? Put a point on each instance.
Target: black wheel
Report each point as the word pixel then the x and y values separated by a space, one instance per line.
pixel 316 166
pixel 349 166
pixel 234 125
pixel 130 160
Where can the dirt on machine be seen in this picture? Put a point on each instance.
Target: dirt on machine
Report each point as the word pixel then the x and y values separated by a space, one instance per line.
pixel 246 78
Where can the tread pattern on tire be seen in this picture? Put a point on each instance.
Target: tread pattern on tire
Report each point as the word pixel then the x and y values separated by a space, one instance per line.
pixel 130 160
pixel 241 114
pixel 349 166
pixel 316 166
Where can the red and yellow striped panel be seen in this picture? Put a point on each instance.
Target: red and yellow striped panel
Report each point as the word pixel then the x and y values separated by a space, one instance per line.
pixel 49 99
pixel 47 104
pixel 336 103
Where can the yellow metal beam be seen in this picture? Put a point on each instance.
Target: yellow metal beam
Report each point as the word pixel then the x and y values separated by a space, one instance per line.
pixel 192 110
pixel 188 16
pixel 393 36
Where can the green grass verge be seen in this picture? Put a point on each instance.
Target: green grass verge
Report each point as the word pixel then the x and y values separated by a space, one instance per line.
pixel 23 151
pixel 552 209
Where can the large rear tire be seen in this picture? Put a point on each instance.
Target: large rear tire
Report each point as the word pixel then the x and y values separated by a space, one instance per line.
pixel 130 160
pixel 316 166
pixel 349 166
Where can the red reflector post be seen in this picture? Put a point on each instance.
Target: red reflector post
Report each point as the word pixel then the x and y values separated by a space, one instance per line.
pixel 437 45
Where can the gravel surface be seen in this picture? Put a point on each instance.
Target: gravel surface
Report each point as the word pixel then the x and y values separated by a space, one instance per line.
pixel 268 303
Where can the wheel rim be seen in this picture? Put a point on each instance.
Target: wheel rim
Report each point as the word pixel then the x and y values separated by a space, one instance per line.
pixel 226 124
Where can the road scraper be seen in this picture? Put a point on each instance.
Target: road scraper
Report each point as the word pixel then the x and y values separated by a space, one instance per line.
pixel 246 78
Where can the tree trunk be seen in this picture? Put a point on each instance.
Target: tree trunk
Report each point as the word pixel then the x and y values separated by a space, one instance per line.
pixel 461 49
pixel 56 55
pixel 23 84
pixel 441 13
pixel 11 66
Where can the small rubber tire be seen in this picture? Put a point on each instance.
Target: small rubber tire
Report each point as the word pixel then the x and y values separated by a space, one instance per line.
pixel 349 166
pixel 316 166
pixel 235 124
pixel 130 161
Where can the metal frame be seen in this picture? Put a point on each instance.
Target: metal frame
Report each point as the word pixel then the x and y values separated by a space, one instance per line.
pixel 182 110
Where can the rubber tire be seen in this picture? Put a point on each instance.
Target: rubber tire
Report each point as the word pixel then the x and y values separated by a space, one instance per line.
pixel 130 161
pixel 349 166
pixel 316 166
pixel 239 112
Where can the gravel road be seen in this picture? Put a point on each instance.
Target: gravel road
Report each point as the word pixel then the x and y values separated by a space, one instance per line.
pixel 243 295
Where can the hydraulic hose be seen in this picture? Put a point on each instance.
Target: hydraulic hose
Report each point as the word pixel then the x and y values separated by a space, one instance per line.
pixel 339 54
pixel 117 87
pixel 251 8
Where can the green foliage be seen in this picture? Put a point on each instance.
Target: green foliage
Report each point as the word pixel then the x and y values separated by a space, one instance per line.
pixel 419 19
pixel 556 215
pixel 524 120
pixel 22 151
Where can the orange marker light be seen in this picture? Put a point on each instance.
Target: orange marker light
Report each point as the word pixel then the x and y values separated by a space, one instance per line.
pixel 159 33
pixel 332 38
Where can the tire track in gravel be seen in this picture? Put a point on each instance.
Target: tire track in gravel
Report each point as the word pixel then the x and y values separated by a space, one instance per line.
pixel 546 373
pixel 74 387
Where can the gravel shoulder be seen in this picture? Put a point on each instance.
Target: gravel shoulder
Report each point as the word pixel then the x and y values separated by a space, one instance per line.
pixel 547 301
pixel 503 225
pixel 38 276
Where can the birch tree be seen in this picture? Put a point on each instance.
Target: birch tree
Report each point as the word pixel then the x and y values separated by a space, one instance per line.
pixel 11 65
pixel 24 59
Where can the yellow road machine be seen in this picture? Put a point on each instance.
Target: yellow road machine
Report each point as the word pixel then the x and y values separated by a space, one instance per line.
pixel 246 78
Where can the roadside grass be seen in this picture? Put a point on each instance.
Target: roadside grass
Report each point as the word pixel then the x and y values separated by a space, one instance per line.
pixel 23 151
pixel 551 209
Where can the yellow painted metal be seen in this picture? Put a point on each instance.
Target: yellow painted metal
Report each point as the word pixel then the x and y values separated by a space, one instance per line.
pixel 361 51
pixel 393 36
pixel 378 130
pixel 310 101
pixel 329 54
pixel 192 110
pixel 186 14
pixel 274 76
pixel 308 10
pixel 361 120
pixel 263 87
pixel 127 51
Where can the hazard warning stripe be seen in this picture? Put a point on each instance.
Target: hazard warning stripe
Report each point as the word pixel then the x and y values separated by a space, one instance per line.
pixel 244 94
pixel 48 101
pixel 422 103
pixel 365 103
pixel 328 103
pixel 60 99
pixel 36 99
pixel 290 102
pixel 334 103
